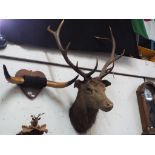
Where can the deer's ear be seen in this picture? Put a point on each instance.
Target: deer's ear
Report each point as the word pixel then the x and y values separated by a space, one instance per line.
pixel 106 82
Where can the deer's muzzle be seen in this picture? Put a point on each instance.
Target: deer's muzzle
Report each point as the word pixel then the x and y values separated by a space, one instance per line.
pixel 107 105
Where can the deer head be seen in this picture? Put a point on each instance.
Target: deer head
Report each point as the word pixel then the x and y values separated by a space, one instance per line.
pixel 91 91
pixel 35 119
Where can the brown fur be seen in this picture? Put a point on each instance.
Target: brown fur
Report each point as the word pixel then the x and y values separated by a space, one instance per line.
pixel 82 117
pixel 84 110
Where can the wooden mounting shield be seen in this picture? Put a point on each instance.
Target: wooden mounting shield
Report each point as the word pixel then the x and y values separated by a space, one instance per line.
pixel 30 91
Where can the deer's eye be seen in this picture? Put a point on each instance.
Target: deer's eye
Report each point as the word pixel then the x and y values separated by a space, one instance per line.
pixel 89 90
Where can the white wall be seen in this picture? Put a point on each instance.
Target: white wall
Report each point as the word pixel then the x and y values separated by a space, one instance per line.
pixel 16 108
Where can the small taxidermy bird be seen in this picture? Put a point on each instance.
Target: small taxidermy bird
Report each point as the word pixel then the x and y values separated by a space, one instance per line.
pixel 34 128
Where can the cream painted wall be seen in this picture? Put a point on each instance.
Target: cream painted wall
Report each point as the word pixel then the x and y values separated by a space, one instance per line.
pixel 16 108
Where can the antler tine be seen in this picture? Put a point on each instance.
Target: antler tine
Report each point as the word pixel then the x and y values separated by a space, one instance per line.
pixel 40 115
pixel 111 68
pixel 56 35
pixel 91 72
pixel 64 52
pixel 111 60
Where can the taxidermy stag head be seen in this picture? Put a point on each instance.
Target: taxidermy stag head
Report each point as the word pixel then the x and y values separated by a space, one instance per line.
pixel 91 91
pixel 32 83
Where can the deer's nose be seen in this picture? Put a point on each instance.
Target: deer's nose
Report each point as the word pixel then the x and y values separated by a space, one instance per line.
pixel 109 105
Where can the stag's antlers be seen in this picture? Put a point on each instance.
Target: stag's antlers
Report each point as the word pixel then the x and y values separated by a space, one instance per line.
pixel 64 52
pixel 37 117
pixel 105 70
